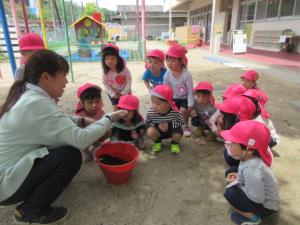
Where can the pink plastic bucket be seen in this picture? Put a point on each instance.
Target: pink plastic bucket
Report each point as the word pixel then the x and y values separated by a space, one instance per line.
pixel 117 174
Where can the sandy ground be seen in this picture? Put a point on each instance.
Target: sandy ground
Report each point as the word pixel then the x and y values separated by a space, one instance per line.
pixel 178 190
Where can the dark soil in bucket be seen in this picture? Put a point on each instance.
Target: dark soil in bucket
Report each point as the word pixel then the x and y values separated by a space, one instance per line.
pixel 110 160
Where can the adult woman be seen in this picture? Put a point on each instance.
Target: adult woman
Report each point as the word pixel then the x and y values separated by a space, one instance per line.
pixel 39 145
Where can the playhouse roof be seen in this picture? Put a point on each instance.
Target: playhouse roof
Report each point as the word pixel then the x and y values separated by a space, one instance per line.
pixel 91 18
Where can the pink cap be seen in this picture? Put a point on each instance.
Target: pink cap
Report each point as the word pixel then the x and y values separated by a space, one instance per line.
pixel 86 86
pixel 157 54
pixel 110 45
pixel 251 75
pixel 240 106
pixel 204 85
pixel 254 135
pixel 31 41
pixel 164 91
pixel 178 51
pixel 233 90
pixel 129 102
pixel 262 99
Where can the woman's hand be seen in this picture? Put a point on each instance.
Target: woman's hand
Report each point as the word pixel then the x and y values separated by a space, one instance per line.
pixel 115 116
pixel 163 127
pixel 231 177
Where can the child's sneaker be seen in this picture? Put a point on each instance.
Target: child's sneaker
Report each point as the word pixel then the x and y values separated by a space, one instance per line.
pixel 187 132
pixel 156 147
pixel 175 148
pixel 239 219
pixel 52 215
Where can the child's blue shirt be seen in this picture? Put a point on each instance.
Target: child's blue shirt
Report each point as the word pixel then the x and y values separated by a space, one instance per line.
pixel 154 80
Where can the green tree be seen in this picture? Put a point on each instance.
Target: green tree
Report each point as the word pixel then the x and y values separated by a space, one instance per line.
pixel 90 8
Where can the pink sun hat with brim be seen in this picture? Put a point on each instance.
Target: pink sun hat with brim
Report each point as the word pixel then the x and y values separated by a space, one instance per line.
pixel 86 86
pixel 262 99
pixel 129 102
pixel 31 41
pixel 156 53
pixel 254 135
pixel 164 91
pixel 240 106
pixel 206 86
pixel 233 90
pixel 178 51
pixel 110 45
pixel 251 75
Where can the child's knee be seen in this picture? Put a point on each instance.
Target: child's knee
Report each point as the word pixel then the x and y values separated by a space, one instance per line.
pixel 176 137
pixel 152 133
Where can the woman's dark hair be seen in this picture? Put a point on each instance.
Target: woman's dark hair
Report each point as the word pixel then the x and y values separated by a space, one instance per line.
pixel 90 94
pixel 255 102
pixel 111 51
pixel 203 92
pixel 40 62
pixel 229 120
pixel 136 118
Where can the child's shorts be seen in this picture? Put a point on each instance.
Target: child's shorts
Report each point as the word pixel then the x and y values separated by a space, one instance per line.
pixel 181 103
pixel 114 101
pixel 197 121
pixel 169 133
pixel 239 200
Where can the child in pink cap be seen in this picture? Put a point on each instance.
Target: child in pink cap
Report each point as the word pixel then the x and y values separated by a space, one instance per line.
pixel 204 107
pixel 116 76
pixel 252 188
pixel 216 119
pixel 90 107
pixel 249 79
pixel 28 44
pixel 180 79
pixel 131 128
pixel 163 119
pixel 154 74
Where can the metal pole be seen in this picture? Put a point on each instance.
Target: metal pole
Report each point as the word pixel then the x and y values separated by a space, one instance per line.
pixel 42 23
pixel 143 28
pixel 67 35
pixel 15 17
pixel 72 12
pixel 53 20
pixel 212 35
pixel 7 39
pixel 137 21
pixel 170 19
pixel 25 16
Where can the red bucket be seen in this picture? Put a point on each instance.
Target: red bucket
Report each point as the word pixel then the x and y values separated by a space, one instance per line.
pixel 117 174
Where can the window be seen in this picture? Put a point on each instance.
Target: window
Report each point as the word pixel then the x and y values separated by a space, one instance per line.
pixel 287 7
pixel 251 11
pixel 243 13
pixel 261 9
pixel 297 8
pixel 273 6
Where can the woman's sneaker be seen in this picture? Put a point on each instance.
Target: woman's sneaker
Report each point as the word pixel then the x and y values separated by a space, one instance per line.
pixel 239 219
pixel 51 216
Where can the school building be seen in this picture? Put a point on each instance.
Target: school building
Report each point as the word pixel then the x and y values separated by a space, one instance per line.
pixel 272 25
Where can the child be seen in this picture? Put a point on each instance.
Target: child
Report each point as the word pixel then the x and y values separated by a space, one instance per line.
pixel 163 119
pixel 178 77
pixel 28 44
pixel 260 98
pixel 155 69
pixel 203 109
pixel 130 128
pixel 232 90
pixel 252 190
pixel 90 104
pixel 116 76
pixel 89 107
pixel 249 79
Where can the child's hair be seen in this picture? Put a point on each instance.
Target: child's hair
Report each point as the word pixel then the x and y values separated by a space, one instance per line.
pixel 254 153
pixel 40 62
pixel 135 119
pixel 229 120
pixel 203 92
pixel 255 102
pixel 90 94
pixel 111 51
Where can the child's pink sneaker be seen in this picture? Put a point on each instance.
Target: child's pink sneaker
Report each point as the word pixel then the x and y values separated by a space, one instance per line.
pixel 186 132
